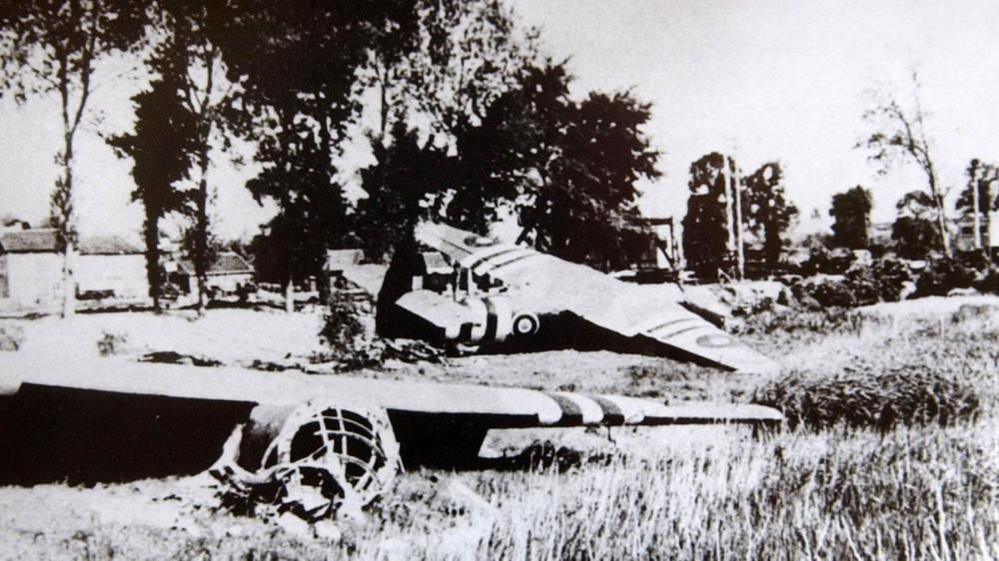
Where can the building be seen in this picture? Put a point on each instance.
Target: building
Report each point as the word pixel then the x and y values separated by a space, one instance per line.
pixel 107 271
pixel 228 274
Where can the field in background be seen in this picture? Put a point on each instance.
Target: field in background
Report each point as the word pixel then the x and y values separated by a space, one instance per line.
pixel 907 492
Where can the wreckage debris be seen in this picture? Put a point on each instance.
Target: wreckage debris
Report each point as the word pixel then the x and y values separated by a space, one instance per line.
pixel 324 460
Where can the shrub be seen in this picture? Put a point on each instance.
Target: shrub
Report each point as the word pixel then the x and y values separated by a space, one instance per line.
pixel 909 395
pixel 830 293
pixel 111 343
pixel 943 275
pixel 890 276
pixel 11 337
pixel 989 282
pixel 342 330
pixel 863 285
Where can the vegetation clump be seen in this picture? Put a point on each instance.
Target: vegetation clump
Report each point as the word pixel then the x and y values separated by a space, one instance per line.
pixel 863 397
pixel 11 337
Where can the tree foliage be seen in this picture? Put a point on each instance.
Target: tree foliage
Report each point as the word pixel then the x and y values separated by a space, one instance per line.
pixel 914 231
pixel 851 212
pixel 406 178
pixel 575 165
pixel 467 54
pixel 705 230
pixel 768 212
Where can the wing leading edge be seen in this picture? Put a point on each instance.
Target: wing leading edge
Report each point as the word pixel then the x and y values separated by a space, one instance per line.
pixel 502 407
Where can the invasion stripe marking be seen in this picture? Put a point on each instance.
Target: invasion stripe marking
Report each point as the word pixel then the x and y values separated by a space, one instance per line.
pixel 490 254
pixel 490 264
pixel 680 332
pixel 592 413
pixel 571 412
pixel 491 321
pixel 517 259
pixel 613 416
pixel 667 324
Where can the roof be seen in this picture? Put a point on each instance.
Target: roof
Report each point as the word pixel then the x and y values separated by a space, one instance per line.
pixel 434 263
pixel 340 259
pixel 45 241
pixel 28 241
pixel 107 245
pixel 227 263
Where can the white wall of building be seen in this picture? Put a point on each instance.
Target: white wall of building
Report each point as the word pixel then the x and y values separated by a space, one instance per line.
pixel 124 274
pixel 34 280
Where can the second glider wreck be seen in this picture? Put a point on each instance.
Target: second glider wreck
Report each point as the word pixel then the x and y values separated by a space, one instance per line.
pixel 475 291
pixel 318 443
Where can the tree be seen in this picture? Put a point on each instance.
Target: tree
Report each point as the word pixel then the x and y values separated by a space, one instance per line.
pixel 914 232
pixel 572 166
pixel 299 73
pixel 977 200
pixel 190 57
pixel 768 210
pixel 402 183
pixel 467 54
pixel 54 46
pixel 851 212
pixel 705 228
pixel 900 135
pixel 161 149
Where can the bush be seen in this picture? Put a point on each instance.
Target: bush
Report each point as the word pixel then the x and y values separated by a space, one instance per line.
pixel 989 282
pixel 112 343
pixel 943 275
pixel 11 337
pixel 890 277
pixel 909 395
pixel 831 293
pixel 883 281
pixel 863 285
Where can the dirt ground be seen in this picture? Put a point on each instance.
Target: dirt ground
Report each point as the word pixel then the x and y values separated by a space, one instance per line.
pixel 180 517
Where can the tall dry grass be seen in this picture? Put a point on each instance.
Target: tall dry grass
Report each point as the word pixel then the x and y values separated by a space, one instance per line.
pixel 909 494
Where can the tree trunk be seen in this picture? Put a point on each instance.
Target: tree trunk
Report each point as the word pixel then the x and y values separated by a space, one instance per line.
pixel 152 238
pixel 64 215
pixel 201 234
pixel 289 295
pixel 941 210
pixel 68 282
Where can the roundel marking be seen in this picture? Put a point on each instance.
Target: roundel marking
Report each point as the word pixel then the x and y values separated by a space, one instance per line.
pixel 715 341
pixel 480 241
pixel 525 325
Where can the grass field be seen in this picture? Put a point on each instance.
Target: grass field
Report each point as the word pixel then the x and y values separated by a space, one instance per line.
pixel 902 463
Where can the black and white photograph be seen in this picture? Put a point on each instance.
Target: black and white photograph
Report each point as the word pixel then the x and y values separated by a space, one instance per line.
pixel 499 279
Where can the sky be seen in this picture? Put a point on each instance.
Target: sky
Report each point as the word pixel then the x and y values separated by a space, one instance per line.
pixel 764 80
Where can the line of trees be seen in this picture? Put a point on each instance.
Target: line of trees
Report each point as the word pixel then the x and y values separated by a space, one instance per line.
pixel 472 123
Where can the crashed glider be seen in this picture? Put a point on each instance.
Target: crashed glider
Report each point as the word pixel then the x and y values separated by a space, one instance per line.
pixel 324 440
pixel 504 292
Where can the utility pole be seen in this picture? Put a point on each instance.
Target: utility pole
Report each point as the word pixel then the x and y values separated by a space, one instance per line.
pixel 976 205
pixel 740 256
pixel 991 215
pixel 729 212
